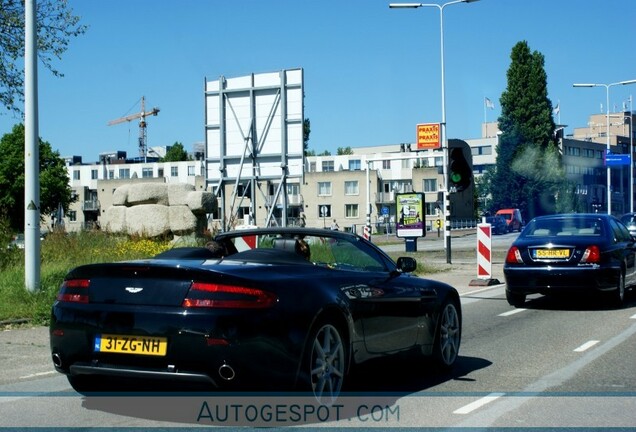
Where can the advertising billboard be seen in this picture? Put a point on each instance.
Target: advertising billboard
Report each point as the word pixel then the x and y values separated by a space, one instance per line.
pixel 410 212
pixel 428 136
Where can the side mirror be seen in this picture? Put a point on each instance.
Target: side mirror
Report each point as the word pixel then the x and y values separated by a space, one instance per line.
pixel 406 264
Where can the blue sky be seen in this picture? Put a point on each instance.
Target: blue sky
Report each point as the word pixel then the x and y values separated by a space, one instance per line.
pixel 371 73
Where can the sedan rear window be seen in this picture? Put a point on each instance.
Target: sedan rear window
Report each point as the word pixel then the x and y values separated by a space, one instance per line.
pixel 565 227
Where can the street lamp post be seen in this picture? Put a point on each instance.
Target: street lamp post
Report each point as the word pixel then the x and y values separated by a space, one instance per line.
pixel 631 156
pixel 445 192
pixel 607 87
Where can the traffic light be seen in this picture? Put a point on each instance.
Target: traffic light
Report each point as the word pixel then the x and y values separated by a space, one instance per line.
pixel 460 172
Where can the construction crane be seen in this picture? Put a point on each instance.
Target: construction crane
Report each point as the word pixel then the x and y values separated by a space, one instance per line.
pixel 143 149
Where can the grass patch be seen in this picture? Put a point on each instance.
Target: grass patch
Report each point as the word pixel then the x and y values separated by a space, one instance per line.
pixel 60 252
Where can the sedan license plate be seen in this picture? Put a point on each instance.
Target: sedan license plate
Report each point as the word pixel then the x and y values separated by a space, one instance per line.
pixel 552 253
pixel 122 344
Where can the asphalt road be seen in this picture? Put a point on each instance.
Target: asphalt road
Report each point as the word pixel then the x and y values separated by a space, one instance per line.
pixel 551 364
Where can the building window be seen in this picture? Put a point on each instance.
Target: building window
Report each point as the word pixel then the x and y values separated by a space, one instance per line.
pixel 481 150
pixel 439 161
pixel 160 172
pixel 174 171
pixel 327 166
pixel 190 170
pixel 589 153
pixel 430 185
pixel 111 174
pixel 76 175
pixel 351 210
pixel 351 188
pixel 146 172
pixel 312 166
pixel 124 173
pixel 430 209
pixel 324 188
pixel 94 174
pixel 293 189
pixel 355 165
pixel 386 164
pixel 72 216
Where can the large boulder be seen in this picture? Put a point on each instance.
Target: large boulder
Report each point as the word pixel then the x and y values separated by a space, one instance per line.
pixel 150 220
pixel 147 193
pixel 158 209
pixel 114 219
pixel 178 192
pixel 182 220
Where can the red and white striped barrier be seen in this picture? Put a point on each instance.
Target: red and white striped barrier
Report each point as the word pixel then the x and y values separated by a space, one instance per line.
pixel 367 232
pixel 484 251
pixel 245 243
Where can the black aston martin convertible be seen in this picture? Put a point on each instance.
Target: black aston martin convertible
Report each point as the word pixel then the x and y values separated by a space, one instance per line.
pixel 291 308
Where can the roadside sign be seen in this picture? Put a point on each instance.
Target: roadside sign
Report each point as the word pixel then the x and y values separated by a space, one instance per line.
pixel 613 159
pixel 428 136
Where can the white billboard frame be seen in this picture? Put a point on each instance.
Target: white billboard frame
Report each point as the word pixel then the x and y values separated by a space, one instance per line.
pixel 254 133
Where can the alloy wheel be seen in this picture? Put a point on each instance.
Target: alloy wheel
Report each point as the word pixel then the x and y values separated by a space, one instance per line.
pixel 327 364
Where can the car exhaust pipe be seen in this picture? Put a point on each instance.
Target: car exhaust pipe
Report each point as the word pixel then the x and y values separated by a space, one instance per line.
pixel 57 360
pixel 226 372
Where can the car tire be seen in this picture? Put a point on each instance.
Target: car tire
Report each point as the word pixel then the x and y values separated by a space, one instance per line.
pixel 447 335
pixel 325 363
pixel 618 295
pixel 515 299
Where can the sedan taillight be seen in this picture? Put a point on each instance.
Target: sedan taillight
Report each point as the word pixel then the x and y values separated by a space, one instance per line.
pixel 211 295
pixel 514 256
pixel 74 291
pixel 591 255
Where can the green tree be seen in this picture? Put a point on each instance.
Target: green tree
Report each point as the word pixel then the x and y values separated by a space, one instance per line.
pixel 175 153
pixel 344 151
pixel 56 25
pixel 54 181
pixel 306 133
pixel 528 169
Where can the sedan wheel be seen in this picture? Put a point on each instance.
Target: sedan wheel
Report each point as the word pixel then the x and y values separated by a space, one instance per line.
pixel 326 364
pixel 515 299
pixel 619 294
pixel 448 336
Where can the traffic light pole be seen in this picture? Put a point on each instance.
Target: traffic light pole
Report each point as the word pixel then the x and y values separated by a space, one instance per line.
pixel 446 192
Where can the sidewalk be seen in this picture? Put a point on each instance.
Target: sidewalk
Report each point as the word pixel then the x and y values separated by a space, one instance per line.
pixel 461 272
pixel 460 275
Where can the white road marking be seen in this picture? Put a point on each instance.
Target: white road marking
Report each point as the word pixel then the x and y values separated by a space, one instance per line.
pixel 586 346
pixel 37 374
pixel 512 312
pixel 478 403
pixel 633 317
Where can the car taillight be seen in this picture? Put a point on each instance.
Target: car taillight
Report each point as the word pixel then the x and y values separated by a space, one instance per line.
pixel 74 291
pixel 591 255
pixel 211 295
pixel 514 256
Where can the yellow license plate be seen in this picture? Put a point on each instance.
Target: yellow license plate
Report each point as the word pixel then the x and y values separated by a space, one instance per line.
pixel 553 253
pixel 142 345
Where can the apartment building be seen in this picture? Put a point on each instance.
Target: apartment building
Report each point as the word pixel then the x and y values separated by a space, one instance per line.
pixel 347 188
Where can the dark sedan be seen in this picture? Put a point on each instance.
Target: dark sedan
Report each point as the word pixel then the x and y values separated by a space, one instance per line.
pixel 571 254
pixel 287 307
pixel 498 224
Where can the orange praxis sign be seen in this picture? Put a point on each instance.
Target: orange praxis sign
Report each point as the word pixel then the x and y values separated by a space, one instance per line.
pixel 428 136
